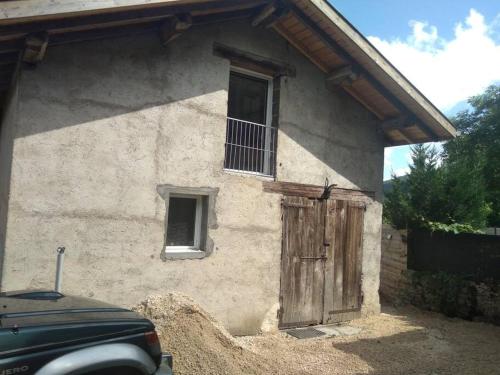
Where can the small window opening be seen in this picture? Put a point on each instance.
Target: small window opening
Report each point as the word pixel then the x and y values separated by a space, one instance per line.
pixel 184 222
pixel 250 136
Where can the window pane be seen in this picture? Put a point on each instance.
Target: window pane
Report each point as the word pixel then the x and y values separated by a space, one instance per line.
pixel 248 139
pixel 181 221
pixel 247 98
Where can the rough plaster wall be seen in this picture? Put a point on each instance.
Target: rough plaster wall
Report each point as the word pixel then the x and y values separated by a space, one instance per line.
pixel 6 143
pixel 101 124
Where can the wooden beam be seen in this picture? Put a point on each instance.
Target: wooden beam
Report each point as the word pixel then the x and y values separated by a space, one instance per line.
pixel 403 122
pixel 12 12
pixel 264 14
pixel 321 34
pixel 174 26
pixel 113 15
pixel 139 26
pixel 270 14
pixel 316 191
pixel 339 50
pixel 346 75
pixel 403 134
pixel 398 123
pixel 302 49
pixel 422 107
pixel 36 45
pixel 274 67
pixel 109 32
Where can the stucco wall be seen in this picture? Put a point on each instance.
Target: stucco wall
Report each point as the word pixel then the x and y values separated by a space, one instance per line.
pixel 101 124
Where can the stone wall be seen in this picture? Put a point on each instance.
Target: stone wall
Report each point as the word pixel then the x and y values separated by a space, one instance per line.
pixel 393 280
pixel 454 295
pixel 451 294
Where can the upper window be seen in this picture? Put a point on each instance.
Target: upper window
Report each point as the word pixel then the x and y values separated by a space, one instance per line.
pixel 250 136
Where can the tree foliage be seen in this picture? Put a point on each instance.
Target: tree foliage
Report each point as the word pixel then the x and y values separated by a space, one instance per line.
pixel 477 148
pixel 459 188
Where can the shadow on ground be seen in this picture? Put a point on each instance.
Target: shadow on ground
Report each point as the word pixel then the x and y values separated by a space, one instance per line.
pixel 410 341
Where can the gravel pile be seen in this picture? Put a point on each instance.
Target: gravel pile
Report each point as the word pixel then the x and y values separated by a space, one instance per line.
pixel 199 343
pixel 399 341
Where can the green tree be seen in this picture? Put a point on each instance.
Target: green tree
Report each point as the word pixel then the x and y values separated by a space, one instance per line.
pixel 465 188
pixel 477 148
pixel 418 197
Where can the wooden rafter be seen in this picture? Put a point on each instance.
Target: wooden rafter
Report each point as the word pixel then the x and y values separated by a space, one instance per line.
pixel 264 14
pixel 175 26
pixel 274 67
pixel 346 75
pixel 270 14
pixel 36 45
pixel 398 123
pixel 153 13
pixel 301 48
pixel 339 50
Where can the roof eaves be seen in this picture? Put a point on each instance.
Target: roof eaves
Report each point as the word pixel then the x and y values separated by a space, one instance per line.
pixel 27 10
pixel 388 70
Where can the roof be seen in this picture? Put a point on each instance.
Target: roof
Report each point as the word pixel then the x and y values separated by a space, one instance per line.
pixel 350 62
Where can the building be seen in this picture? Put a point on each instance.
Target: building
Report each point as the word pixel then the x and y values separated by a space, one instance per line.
pixel 185 145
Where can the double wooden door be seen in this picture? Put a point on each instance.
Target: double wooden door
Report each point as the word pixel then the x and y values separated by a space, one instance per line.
pixel 321 261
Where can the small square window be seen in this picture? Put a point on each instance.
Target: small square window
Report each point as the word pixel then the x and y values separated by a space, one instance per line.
pixel 189 215
pixel 184 222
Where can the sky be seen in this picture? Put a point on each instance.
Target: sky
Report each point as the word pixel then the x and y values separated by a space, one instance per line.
pixel 449 49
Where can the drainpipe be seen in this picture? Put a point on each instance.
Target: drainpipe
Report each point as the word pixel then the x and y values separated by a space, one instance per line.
pixel 59 267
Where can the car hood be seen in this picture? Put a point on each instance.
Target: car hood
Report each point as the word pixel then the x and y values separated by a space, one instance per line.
pixel 35 307
pixel 36 319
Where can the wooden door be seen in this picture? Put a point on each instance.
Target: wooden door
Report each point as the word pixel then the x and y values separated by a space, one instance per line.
pixel 302 262
pixel 344 234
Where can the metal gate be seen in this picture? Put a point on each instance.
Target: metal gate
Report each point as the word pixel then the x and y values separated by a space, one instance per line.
pixel 321 261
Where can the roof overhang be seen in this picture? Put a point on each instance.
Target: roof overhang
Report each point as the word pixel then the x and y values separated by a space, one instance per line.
pixel 350 62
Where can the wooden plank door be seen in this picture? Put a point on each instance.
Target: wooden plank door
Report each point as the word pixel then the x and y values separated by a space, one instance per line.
pixel 344 234
pixel 302 262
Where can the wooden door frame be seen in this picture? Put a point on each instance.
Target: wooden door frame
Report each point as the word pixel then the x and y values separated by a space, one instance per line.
pixel 316 192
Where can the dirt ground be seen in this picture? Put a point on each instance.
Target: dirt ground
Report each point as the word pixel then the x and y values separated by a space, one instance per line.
pixel 398 341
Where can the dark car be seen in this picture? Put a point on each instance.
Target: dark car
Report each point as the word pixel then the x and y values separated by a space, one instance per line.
pixel 48 333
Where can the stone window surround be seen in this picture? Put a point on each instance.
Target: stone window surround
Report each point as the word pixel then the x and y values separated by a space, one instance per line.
pixel 209 220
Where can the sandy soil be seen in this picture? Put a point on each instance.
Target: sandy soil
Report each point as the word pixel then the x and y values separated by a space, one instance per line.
pixel 399 341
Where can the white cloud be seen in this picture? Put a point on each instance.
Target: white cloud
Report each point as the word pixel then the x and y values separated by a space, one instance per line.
pixel 447 71
pixel 401 171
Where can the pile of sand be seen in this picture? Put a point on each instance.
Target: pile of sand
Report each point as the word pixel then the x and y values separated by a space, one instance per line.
pixel 401 341
pixel 199 344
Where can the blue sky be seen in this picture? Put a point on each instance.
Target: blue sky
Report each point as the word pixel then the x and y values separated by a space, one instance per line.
pixel 449 49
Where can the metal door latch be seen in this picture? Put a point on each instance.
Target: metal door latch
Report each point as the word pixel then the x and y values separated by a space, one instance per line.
pixel 314 258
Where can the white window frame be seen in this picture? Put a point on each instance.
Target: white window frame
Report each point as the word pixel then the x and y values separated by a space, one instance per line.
pixel 269 119
pixel 197 225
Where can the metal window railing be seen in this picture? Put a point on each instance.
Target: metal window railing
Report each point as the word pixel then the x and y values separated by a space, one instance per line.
pixel 250 147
